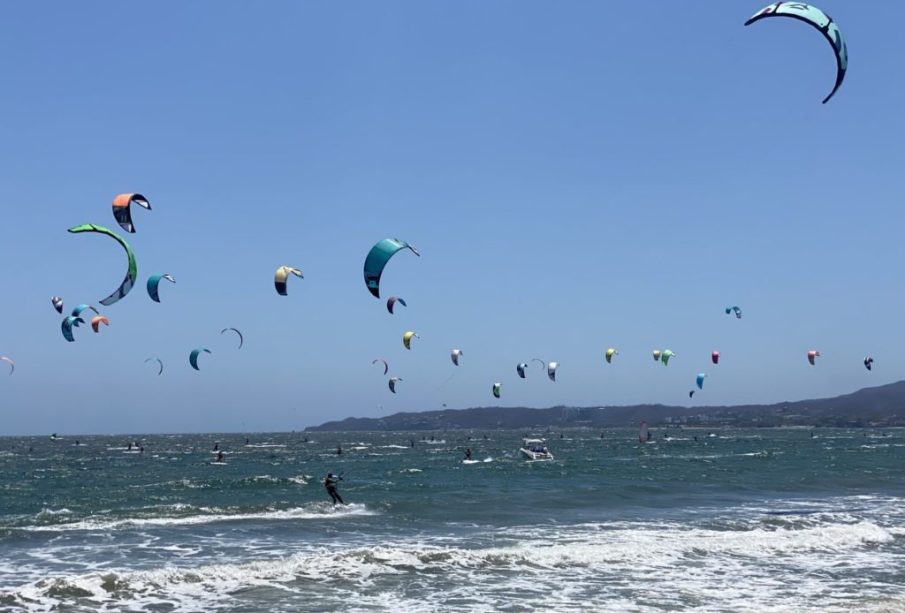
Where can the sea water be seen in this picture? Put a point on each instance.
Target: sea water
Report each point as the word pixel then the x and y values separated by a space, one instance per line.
pixel 741 520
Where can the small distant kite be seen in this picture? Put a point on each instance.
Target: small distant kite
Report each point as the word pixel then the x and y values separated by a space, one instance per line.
pixel 57 304
pixel 131 273
pixel 12 365
pixel 97 320
pixel 664 357
pixel 280 276
pixel 386 367
pixel 455 355
pixel 715 357
pixel 193 356
pixel 736 310
pixel 241 338
pixel 159 361
pixel 700 380
pixel 154 282
pixel 392 383
pixel 868 363
pixel 391 303
pixel 656 354
pixel 813 355
pixel 67 326
pixel 551 370
pixel 609 354
pixel 407 339
pixel 496 389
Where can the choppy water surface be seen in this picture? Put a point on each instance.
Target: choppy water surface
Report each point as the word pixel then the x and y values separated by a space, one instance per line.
pixel 743 520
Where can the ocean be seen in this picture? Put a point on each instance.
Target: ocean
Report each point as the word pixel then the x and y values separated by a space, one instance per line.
pixel 737 520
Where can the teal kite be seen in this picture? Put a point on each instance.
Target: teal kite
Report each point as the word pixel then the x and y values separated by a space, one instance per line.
pixel 154 281
pixel 813 16
pixel 700 380
pixel 377 259
pixel 193 357
pixel 67 325
pixel 131 273
pixel 664 357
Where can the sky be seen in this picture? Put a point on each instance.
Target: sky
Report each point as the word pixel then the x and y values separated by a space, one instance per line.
pixel 576 176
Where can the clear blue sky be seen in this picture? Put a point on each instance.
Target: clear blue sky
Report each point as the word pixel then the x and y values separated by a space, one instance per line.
pixel 576 176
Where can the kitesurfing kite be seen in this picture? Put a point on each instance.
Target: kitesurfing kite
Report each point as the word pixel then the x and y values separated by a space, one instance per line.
pixel 609 354
pixel 392 383
pixel 193 356
pixel 691 393
pixel 67 325
pixel 700 380
pixel 715 357
pixel 407 339
pixel 386 367
pixel 280 276
pixel 154 281
pixel 159 361
pixel 664 357
pixel 131 272
pixel 122 209
pixel 496 389
pixel 241 338
pixel 455 355
pixel 12 365
pixel 812 355
pixel 392 303
pixel 57 303
pixel 77 311
pixel 643 433
pixel 868 363
pixel 520 369
pixel 551 370
pixel 377 259
pixel 736 310
pixel 816 18
pixel 97 320
pixel 656 354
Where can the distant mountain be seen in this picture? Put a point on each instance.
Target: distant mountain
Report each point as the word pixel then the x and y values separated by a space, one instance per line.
pixel 871 406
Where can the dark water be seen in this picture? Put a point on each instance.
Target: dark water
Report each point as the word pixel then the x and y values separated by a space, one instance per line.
pixel 746 520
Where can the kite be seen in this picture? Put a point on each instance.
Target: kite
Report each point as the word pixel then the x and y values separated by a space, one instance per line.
pixel 57 304
pixel 122 209
pixel 159 361
pixel 609 354
pixel 154 281
pixel 392 303
pixel 97 320
pixel 377 259
pixel 736 310
pixel 241 338
pixel 12 365
pixel 193 357
pixel 67 325
pixel 131 273
pixel 812 355
pixel 868 363
pixel 656 354
pixel 280 276
pixel 454 356
pixel 496 389
pixel 715 357
pixel 520 369
pixel 551 370
pixel 386 367
pixel 821 21
pixel 392 383
pixel 664 357
pixel 700 380
pixel 407 339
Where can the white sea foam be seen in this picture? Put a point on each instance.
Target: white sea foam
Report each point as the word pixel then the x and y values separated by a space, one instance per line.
pixel 804 563
pixel 205 515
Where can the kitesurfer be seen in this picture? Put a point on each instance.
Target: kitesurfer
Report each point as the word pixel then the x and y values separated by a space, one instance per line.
pixel 339 450
pixel 330 482
pixel 468 453
pixel 216 447
pixel 220 457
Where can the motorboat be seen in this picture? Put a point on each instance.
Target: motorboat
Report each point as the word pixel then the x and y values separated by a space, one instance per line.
pixel 535 449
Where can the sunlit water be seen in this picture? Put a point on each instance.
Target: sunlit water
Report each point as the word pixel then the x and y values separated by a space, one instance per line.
pixel 746 520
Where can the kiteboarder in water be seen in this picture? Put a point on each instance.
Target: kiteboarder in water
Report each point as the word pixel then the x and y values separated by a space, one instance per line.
pixel 330 482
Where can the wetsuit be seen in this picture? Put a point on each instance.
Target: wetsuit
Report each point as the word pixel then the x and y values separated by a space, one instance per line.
pixel 330 482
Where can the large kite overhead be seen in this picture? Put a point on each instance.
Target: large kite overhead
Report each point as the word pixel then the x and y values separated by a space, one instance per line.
pixel 812 16
pixel 378 257
pixel 131 273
